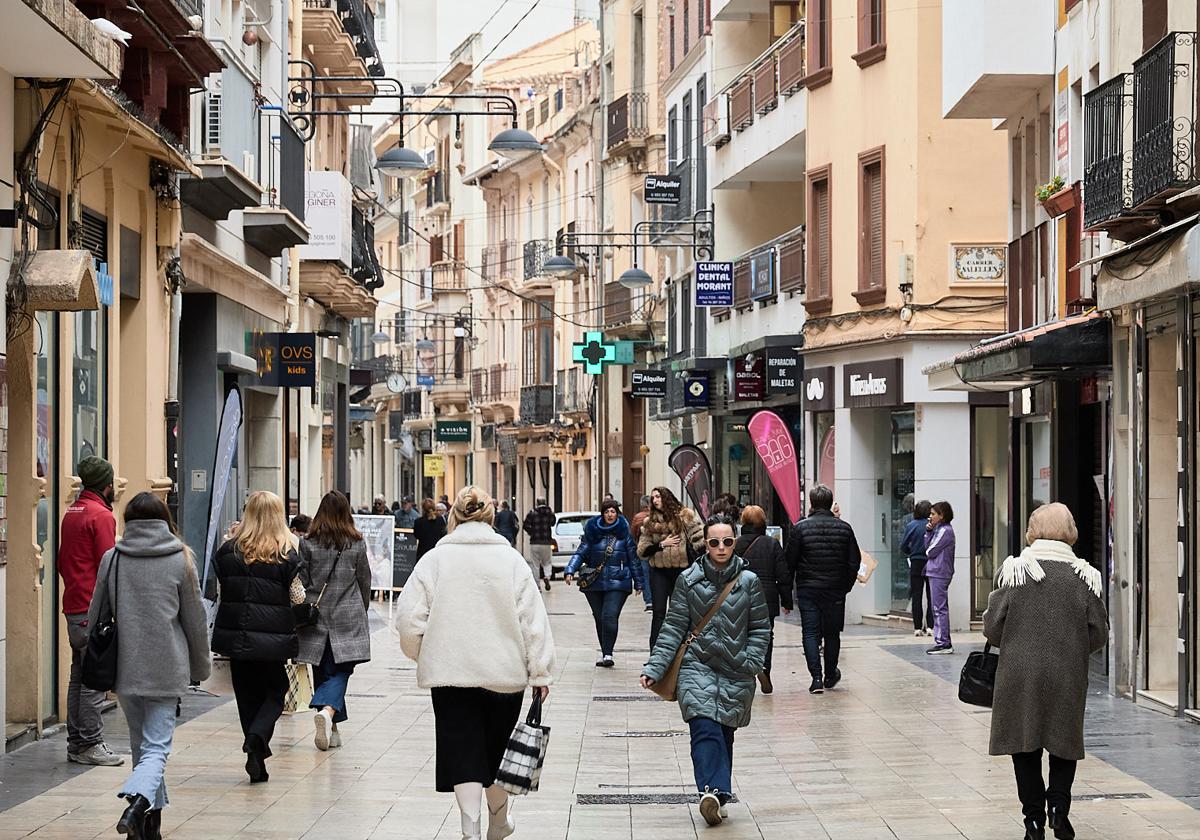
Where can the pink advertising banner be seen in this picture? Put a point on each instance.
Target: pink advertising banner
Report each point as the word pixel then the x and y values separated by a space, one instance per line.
pixel 773 442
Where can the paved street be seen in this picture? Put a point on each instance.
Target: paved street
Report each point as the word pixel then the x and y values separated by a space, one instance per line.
pixel 892 754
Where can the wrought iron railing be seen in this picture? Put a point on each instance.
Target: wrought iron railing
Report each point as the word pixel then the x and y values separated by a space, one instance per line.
pixel 618 304
pixel 536 252
pixel 1164 118
pixel 494 384
pixel 572 392
pixel 1108 158
pixel 537 405
pixel 627 118
pixel 435 189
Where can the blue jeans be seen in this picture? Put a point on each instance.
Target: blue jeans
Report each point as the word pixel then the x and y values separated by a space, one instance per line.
pixel 606 610
pixel 712 757
pixel 329 685
pixel 151 727
pixel 646 595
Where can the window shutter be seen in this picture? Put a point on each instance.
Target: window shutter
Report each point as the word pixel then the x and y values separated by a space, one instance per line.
pixel 875 224
pixel 459 242
pixel 824 267
pixel 864 24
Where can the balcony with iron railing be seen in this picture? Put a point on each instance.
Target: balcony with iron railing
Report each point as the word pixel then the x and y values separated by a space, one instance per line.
pixel 627 123
pixel 436 194
pixel 759 113
pixel 341 35
pixel 572 392
pixel 495 392
pixel 534 256
pixel 1140 144
pixel 537 405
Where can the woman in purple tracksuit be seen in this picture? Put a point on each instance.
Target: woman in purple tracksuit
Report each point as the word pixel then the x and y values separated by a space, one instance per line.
pixel 939 569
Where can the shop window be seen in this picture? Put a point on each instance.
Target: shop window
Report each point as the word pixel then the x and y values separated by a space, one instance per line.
pixel 46 348
pixel 820 257
pixel 871 28
pixel 823 455
pixel 871 222
pixel 89 384
pixel 820 60
pixel 903 479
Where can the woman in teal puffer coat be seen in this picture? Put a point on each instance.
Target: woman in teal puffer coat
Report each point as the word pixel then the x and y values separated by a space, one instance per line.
pixel 608 546
pixel 716 678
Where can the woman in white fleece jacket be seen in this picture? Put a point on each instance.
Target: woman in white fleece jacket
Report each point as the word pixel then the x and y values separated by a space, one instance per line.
pixel 473 620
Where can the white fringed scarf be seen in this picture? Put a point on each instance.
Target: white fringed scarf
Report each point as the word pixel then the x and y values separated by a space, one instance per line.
pixel 1016 571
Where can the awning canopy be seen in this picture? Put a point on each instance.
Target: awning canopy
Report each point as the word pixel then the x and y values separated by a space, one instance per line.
pixel 60 280
pixel 1075 347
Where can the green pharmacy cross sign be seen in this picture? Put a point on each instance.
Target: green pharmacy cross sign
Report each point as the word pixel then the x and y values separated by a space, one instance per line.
pixel 594 352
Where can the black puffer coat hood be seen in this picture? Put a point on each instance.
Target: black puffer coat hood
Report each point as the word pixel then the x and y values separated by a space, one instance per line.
pixel 255 620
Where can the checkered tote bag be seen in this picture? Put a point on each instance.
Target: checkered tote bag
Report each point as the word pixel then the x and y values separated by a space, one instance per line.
pixel 521 767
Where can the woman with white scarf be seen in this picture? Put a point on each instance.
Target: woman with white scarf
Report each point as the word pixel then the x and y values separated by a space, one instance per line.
pixel 1047 616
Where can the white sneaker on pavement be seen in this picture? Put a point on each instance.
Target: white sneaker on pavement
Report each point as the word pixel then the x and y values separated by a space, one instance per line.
pixel 322 723
pixel 724 814
pixel 98 755
pixel 710 808
pixel 335 739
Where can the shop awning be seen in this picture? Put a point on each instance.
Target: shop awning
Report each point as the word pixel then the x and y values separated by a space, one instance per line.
pixel 1071 348
pixel 60 280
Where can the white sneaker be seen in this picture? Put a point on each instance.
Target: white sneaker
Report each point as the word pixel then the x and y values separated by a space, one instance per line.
pixel 918 632
pixel 98 755
pixel 322 723
pixel 710 808
pixel 724 814
pixel 335 739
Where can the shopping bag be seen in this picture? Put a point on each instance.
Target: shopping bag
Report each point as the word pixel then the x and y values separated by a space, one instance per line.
pixel 977 682
pixel 521 768
pixel 866 568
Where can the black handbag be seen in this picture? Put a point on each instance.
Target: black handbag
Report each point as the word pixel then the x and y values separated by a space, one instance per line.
pixel 98 669
pixel 588 575
pixel 306 614
pixel 977 682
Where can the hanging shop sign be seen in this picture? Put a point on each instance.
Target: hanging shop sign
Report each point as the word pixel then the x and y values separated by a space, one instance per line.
pixel 434 465
pixel 695 389
pixel 328 202
pixel 453 431
pixel 285 360
pixel 749 377
pixel 594 352
pixel 818 389
pixel 649 384
pixel 714 284
pixel 762 275
pixel 784 371
pixel 874 384
pixel 426 362
pixel 663 189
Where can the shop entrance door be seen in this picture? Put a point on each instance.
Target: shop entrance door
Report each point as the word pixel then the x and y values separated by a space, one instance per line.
pixel 903 478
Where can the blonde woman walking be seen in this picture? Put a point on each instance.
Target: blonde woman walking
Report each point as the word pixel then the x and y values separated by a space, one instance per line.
pixel 259 576
pixel 473 620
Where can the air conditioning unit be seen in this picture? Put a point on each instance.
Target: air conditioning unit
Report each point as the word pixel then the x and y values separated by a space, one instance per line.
pixel 716 121
pixel 430 156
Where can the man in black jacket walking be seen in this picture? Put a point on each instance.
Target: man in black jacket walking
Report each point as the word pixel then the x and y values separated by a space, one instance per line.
pixel 539 525
pixel 824 555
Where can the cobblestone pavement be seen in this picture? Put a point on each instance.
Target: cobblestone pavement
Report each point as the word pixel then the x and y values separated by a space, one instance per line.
pixel 889 754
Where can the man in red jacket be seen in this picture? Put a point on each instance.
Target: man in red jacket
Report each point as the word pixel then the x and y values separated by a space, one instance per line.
pixel 89 529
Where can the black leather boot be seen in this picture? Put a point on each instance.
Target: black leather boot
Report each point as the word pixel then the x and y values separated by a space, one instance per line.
pixel 1058 822
pixel 133 821
pixel 1035 830
pixel 154 825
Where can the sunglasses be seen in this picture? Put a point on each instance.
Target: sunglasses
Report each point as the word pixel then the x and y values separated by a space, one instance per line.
pixel 727 542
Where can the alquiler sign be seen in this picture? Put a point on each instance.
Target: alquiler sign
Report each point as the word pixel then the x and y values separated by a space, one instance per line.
pixel 663 189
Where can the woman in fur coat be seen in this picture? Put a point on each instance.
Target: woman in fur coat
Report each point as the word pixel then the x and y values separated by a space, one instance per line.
pixel 670 540
pixel 1047 617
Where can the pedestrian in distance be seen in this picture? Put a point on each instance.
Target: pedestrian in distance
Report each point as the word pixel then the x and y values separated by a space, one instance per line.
pixel 539 525
pixel 300 525
pixel 1047 616
pixel 443 511
pixel 339 582
pixel 429 528
pixel 259 575
pixel 672 537
pixel 407 515
pixel 379 507
pixel 89 529
pixel 913 546
pixel 607 547
pixel 765 557
pixel 824 556
pixel 939 569
pixel 635 531
pixel 507 524
pixel 727 504
pixel 716 677
pixel 472 620
pixel 148 582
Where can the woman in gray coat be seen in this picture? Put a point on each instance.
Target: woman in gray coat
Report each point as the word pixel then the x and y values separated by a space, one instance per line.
pixel 339 582
pixel 148 582
pixel 1047 616
pixel 716 678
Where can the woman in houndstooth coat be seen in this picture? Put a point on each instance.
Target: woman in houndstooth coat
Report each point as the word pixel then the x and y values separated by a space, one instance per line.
pixel 1047 617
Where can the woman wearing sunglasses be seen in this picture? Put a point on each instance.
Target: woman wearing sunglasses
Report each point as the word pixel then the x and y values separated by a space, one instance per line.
pixel 716 678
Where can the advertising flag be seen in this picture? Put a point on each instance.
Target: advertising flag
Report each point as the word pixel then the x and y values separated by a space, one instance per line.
pixel 773 442
pixel 227 439
pixel 692 466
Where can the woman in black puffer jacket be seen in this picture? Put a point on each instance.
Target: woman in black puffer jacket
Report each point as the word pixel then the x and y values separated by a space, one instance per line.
pixel 765 557
pixel 259 575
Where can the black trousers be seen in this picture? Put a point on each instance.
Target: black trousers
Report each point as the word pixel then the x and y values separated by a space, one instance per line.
pixel 471 728
pixel 260 689
pixel 822 615
pixel 770 649
pixel 920 588
pixel 1033 791
pixel 662 584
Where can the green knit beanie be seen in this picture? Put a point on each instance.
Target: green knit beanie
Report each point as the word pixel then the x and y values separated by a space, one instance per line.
pixel 95 473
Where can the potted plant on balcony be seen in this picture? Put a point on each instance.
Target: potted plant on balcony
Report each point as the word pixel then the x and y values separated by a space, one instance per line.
pixel 1056 197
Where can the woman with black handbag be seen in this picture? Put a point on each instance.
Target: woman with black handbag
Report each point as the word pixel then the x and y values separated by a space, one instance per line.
pixel 259 576
pixel 607 568
pixel 337 636
pixel 148 583
pixel 1047 617
pixel 766 558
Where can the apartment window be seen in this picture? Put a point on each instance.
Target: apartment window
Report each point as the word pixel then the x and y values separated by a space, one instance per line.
pixel 672 136
pixel 820 61
pixel 672 321
pixel 685 312
pixel 820 256
pixel 871 272
pixel 687 25
pixel 538 329
pixel 871 42
pixel 701 18
pixel 381 20
pixel 700 156
pixel 685 125
pixel 639 53
pixel 784 16
pixel 671 50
